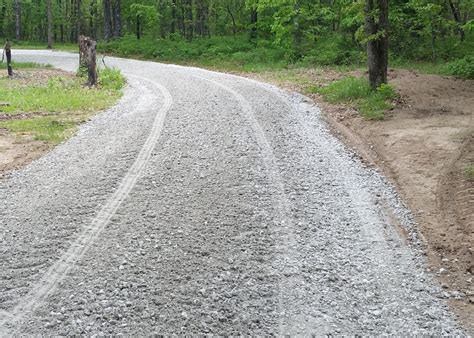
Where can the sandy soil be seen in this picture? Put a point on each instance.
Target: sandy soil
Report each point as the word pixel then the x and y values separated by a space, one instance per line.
pixel 16 153
pixel 423 146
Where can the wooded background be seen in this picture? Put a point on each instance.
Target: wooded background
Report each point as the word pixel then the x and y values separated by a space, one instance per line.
pixel 419 29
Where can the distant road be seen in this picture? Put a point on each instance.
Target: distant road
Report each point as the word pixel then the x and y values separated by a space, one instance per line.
pixel 206 203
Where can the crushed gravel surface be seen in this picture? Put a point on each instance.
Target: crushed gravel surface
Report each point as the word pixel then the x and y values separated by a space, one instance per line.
pixel 207 203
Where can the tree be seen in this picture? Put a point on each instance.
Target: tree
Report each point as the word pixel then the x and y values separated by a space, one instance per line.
pixel 376 28
pixel 117 10
pixel 188 10
pixel 253 24
pixel 17 19
pixel 107 20
pixel 145 16
pixel 233 8
pixel 50 25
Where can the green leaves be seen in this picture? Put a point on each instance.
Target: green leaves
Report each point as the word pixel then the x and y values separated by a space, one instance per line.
pixel 148 14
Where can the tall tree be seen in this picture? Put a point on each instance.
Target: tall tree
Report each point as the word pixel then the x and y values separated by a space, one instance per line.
pixel 173 17
pixel 17 19
pixel 50 24
pixel 376 28
pixel 253 24
pixel 457 17
pixel 188 8
pixel 107 20
pixel 117 10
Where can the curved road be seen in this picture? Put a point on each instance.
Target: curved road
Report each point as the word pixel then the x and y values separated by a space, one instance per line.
pixel 206 203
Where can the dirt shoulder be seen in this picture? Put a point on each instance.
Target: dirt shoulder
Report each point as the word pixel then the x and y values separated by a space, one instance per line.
pixel 422 146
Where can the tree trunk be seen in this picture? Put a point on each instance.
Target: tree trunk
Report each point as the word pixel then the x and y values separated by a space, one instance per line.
pixel 457 17
pixel 107 21
pixel 377 46
pixel 78 19
pixel 87 59
pixel 138 28
pixel 253 24
pixel 297 33
pixel 173 17
pixel 8 53
pixel 189 19
pixel 117 10
pixel 50 25
pixel 17 20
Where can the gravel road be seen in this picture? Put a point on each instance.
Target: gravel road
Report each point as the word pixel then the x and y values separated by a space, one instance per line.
pixel 207 203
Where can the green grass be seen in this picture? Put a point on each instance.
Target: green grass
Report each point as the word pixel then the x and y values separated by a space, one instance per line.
pixel 61 94
pixel 423 67
pixel 67 47
pixel 49 129
pixel 57 106
pixel 371 104
pixel 469 169
pixel 23 65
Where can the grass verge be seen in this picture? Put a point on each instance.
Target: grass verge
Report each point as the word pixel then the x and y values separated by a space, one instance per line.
pixel 371 104
pixel 50 109
pixel 23 65
pixel 67 47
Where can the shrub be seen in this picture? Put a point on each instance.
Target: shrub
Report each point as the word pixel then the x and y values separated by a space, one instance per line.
pixel 371 104
pixel 463 68
pixel 111 78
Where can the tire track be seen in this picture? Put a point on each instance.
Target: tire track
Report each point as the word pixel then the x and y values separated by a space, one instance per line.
pixel 57 272
pixel 287 243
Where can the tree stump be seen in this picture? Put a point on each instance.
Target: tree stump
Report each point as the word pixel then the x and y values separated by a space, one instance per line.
pixel 8 53
pixel 87 59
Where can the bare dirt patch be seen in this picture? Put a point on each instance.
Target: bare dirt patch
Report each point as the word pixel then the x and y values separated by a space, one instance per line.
pixel 26 77
pixel 16 153
pixel 423 146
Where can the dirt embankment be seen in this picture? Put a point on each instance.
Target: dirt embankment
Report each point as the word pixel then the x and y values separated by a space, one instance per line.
pixel 423 146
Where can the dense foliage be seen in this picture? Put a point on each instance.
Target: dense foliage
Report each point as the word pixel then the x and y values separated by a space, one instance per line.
pixel 322 32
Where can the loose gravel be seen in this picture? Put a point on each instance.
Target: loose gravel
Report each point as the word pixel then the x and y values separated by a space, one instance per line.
pixel 205 203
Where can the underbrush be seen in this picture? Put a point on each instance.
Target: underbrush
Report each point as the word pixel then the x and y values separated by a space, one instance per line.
pixel 217 52
pixel 463 68
pixel 50 111
pixel 371 104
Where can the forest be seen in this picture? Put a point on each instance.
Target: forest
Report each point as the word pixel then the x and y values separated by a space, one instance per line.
pixel 324 32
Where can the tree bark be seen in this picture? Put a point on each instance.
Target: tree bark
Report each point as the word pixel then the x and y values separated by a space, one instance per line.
pixel 189 19
pixel 117 10
pixel 50 25
pixel 457 17
pixel 88 59
pixel 253 24
pixel 297 33
pixel 138 28
pixel 107 21
pixel 17 20
pixel 78 19
pixel 173 17
pixel 377 47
